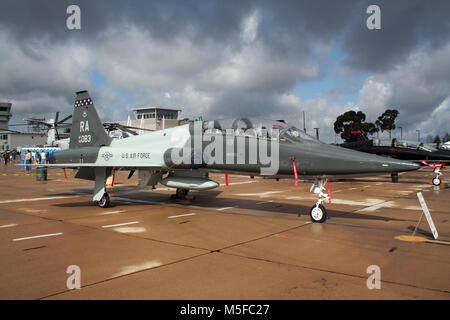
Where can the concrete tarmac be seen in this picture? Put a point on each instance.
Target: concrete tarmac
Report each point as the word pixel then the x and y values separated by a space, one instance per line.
pixel 250 240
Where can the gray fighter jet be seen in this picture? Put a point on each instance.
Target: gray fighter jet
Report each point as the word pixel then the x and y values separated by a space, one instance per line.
pixel 181 157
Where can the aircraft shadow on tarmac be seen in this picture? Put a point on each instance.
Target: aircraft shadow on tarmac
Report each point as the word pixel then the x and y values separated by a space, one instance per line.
pixel 400 181
pixel 208 200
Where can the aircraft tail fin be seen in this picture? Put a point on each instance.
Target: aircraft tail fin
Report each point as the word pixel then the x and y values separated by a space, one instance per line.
pixel 87 129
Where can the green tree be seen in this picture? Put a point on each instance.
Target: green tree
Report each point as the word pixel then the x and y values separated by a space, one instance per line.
pixel 386 122
pixel 353 121
pixel 437 139
pixel 446 137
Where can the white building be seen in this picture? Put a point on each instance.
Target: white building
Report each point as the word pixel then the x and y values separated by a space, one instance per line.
pixel 155 118
pixel 10 139
pixel 13 140
pixel 5 115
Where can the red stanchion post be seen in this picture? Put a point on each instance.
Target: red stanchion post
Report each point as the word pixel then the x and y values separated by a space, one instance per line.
pixel 295 172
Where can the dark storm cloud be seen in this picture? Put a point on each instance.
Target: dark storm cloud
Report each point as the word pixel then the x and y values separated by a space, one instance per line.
pixel 288 26
pixel 421 84
pixel 47 18
pixel 405 25
pixel 221 57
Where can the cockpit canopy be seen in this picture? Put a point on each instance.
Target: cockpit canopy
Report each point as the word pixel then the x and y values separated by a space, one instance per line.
pixel 260 128
pixel 414 145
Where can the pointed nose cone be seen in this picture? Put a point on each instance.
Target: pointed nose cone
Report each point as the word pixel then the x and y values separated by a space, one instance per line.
pixel 347 161
pixel 402 165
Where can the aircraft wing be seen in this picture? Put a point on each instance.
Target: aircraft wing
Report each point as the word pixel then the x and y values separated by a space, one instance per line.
pixel 79 165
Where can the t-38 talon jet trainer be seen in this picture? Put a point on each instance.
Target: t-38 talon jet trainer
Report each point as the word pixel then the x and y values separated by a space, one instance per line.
pixel 181 157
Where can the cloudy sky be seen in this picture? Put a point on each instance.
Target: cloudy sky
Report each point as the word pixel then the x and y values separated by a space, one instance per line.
pixel 221 59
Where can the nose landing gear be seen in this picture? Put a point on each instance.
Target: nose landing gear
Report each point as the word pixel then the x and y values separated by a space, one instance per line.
pixel 437 170
pixel 437 181
pixel 318 213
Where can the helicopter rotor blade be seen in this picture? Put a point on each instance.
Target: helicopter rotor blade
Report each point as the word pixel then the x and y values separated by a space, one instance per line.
pixel 64 120
pixel 128 131
pixel 129 127
pixel 57 134
pixel 32 121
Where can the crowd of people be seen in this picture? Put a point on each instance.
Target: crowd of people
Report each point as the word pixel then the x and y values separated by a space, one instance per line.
pixel 36 157
pixel 28 157
pixel 8 156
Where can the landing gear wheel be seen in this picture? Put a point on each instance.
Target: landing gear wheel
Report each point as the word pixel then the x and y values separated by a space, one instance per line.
pixel 104 201
pixel 318 213
pixel 181 193
pixel 394 177
pixel 436 181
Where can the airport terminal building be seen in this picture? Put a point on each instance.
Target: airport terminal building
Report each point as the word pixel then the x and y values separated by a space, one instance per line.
pixel 10 139
pixel 155 118
pixel 5 115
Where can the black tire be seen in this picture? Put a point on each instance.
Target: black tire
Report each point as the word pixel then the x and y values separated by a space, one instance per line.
pixel 181 193
pixel 436 181
pixel 394 177
pixel 104 201
pixel 318 214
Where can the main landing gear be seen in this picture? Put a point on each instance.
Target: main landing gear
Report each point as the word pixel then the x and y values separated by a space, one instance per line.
pixel 182 194
pixel 394 177
pixel 101 197
pixel 104 201
pixel 318 212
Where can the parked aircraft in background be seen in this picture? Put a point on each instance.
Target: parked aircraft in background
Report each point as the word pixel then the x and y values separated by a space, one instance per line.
pixel 414 151
pixel 445 146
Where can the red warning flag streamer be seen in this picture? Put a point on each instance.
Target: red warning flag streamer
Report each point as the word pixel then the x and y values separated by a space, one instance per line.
pixel 226 179
pixel 329 192
pixel 295 172
pixel 65 176
pixel 114 177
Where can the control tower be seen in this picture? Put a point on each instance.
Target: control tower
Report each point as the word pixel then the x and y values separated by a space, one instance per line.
pixel 5 115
